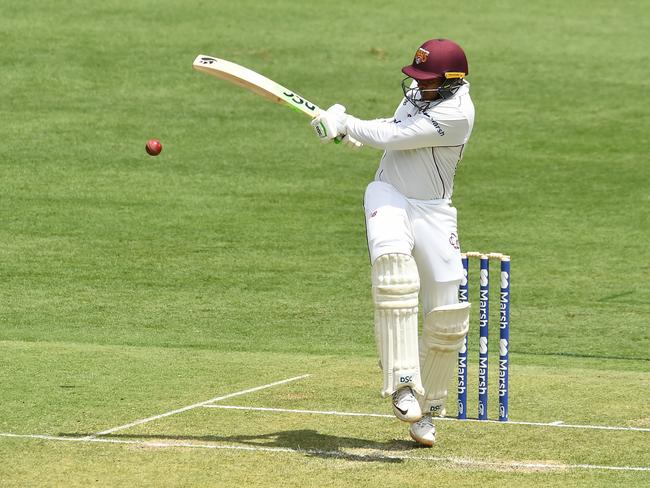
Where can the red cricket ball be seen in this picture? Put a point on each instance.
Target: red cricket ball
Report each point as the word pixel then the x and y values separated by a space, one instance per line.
pixel 153 147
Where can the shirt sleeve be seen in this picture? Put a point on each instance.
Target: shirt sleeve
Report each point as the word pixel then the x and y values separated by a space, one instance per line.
pixel 421 130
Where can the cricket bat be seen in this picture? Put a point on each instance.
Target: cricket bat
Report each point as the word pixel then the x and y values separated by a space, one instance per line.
pixel 259 84
pixel 255 82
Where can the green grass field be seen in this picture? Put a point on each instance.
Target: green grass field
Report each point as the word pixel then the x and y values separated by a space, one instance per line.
pixel 133 287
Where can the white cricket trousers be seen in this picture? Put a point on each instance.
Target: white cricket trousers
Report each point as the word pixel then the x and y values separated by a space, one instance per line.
pixel 424 229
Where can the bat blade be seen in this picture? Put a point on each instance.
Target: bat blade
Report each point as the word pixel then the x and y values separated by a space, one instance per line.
pixel 254 82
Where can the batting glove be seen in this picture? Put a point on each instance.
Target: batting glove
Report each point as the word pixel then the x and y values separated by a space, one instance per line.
pixel 330 124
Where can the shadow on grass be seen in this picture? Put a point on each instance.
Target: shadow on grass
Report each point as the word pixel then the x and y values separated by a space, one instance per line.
pixel 310 442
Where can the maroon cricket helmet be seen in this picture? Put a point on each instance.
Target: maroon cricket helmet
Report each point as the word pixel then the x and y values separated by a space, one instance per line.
pixel 438 58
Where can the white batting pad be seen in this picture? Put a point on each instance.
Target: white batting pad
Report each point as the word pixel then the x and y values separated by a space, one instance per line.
pixel 442 337
pixel 395 288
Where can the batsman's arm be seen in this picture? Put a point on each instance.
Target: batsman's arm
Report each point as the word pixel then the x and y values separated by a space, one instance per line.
pixel 419 131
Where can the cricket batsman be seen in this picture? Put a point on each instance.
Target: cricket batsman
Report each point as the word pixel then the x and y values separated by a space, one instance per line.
pixel 412 230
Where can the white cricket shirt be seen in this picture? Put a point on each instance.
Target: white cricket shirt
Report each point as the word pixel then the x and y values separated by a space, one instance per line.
pixel 421 149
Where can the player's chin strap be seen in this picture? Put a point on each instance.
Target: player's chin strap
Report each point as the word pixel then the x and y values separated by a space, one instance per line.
pixel 445 91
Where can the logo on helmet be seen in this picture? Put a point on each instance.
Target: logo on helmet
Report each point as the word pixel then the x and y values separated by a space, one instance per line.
pixel 421 56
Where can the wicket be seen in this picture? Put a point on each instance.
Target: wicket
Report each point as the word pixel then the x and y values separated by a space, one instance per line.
pixel 484 319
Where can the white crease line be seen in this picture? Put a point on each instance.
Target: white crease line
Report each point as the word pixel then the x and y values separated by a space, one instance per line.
pixel 317 412
pixel 196 405
pixel 557 424
pixel 335 454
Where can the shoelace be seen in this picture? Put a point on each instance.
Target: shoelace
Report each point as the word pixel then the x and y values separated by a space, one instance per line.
pixel 426 421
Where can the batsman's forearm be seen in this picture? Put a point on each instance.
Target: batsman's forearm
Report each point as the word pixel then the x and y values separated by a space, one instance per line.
pixel 383 134
pixel 417 132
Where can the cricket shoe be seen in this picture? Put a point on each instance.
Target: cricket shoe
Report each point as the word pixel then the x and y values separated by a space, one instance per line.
pixel 423 431
pixel 406 406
